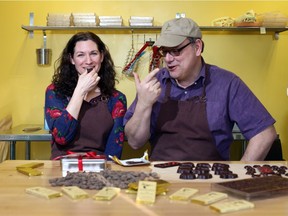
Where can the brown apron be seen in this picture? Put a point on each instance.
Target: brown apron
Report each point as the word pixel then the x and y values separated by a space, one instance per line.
pixel 182 131
pixel 95 124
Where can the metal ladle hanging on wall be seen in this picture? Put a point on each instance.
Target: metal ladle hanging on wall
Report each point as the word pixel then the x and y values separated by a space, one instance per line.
pixel 43 54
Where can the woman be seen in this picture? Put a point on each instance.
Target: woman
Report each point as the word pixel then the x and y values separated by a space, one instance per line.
pixel 83 109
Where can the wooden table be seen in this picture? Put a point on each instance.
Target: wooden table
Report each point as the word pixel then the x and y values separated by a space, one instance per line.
pixel 14 201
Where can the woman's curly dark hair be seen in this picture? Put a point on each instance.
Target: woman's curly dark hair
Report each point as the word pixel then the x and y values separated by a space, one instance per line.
pixel 65 77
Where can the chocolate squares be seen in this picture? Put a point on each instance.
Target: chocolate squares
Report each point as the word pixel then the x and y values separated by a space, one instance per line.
pixel 189 170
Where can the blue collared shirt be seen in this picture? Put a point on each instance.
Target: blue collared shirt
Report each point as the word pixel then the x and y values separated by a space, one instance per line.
pixel 229 101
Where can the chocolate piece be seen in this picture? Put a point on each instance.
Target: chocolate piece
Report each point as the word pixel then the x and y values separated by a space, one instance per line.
pixel 202 165
pixel 250 172
pixel 221 166
pixel 265 170
pixel 281 171
pixel 275 168
pixel 248 167
pixel 134 162
pixel 89 70
pixel 202 168
pixel 199 171
pixel 222 172
pixel 167 164
pixel 187 164
pixel 256 166
pixel 204 176
pixel 187 176
pixel 229 176
pixel 184 170
pixel 220 169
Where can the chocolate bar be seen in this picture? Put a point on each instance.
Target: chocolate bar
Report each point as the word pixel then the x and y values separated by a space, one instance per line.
pixel 254 187
pixel 168 164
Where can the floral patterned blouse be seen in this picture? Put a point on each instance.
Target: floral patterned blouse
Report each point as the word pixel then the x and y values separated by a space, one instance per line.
pixel 63 126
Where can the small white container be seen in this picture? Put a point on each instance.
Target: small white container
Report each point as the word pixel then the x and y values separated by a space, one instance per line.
pixel 89 165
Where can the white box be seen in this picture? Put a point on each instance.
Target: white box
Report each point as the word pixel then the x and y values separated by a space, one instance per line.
pixel 89 165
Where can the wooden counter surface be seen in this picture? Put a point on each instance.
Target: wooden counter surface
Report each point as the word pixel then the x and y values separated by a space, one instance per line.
pixel 14 201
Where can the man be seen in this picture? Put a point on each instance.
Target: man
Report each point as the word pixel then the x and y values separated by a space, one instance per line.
pixel 187 110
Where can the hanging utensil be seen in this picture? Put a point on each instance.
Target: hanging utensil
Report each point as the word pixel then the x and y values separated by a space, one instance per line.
pixel 131 66
pixel 44 54
pixel 130 54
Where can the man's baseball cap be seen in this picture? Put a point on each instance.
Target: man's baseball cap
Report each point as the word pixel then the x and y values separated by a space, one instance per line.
pixel 175 31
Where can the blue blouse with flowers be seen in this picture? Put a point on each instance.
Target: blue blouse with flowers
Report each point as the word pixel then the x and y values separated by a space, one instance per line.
pixel 63 126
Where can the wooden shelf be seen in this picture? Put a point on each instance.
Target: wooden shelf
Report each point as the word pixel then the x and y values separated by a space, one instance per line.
pixel 260 30
pixel 203 28
pixel 54 28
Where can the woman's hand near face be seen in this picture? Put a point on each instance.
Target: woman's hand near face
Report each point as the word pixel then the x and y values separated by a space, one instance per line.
pixel 87 82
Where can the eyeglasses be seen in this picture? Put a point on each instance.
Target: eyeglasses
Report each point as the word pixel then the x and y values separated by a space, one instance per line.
pixel 173 52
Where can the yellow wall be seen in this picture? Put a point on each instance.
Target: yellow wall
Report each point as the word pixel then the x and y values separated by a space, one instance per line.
pixel 258 59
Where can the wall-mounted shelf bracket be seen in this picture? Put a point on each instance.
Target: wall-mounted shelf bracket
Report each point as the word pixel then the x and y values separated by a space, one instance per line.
pixel 276 36
pixel 31 23
pixel 278 31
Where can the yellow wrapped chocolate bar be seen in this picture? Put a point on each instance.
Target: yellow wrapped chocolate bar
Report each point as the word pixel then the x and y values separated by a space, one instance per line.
pixel 29 171
pixel 146 193
pixel 75 192
pixel 183 194
pixel 43 192
pixel 161 188
pixel 107 193
pixel 31 165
